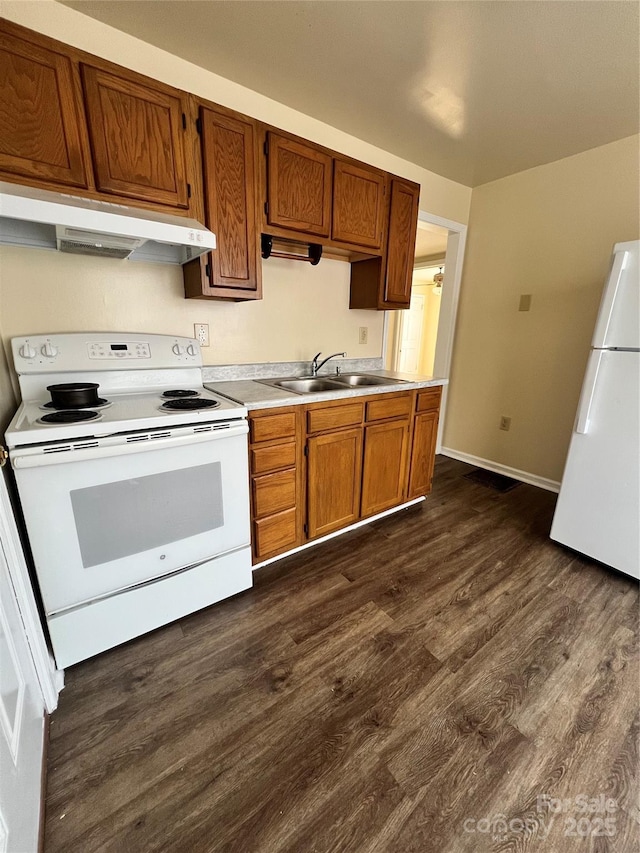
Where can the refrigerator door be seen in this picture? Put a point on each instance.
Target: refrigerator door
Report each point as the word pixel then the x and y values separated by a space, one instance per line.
pixel 598 509
pixel 618 323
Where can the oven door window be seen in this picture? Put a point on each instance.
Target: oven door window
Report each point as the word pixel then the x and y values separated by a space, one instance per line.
pixel 127 517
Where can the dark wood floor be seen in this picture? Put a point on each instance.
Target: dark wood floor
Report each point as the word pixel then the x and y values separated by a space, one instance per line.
pixel 386 692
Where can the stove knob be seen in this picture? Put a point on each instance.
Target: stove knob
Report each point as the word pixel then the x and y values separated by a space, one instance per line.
pixel 49 350
pixel 191 350
pixel 27 351
pixel 178 349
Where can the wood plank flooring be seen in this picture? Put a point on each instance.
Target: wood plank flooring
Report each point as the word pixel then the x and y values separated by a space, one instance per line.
pixel 421 684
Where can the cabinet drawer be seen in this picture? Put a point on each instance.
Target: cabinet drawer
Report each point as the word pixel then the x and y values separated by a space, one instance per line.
pixel 429 399
pixel 334 417
pixel 274 492
pixel 273 458
pixel 269 427
pixel 391 407
pixel 275 534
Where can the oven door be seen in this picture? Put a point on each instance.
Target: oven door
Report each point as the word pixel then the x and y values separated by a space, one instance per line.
pixel 105 514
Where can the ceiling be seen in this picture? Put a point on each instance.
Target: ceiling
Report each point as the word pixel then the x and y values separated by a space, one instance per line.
pixel 473 91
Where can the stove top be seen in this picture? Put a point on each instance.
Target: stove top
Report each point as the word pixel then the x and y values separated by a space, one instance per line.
pixel 146 382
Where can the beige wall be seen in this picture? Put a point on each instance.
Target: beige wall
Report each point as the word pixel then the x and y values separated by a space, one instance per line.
pixel 548 231
pixel 305 308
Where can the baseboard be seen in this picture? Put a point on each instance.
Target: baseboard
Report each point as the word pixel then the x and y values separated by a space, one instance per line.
pixel 497 468
pixel 43 781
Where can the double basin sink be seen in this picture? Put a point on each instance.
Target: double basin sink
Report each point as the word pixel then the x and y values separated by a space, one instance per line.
pixel 339 382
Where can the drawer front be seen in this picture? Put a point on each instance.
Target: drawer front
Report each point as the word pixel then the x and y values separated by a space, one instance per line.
pixel 270 427
pixel 273 458
pixel 334 417
pixel 275 534
pixel 429 399
pixel 391 407
pixel 274 492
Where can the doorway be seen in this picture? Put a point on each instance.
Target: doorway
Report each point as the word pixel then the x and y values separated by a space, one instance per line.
pixel 439 243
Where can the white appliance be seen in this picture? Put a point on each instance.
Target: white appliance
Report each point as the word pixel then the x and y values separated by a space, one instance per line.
pixel 598 509
pixel 137 514
pixel 49 220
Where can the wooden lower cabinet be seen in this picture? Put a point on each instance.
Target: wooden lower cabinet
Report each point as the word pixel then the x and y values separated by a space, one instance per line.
pixel 334 468
pixel 275 534
pixel 319 467
pixel 384 470
pixel 423 451
pixel 277 490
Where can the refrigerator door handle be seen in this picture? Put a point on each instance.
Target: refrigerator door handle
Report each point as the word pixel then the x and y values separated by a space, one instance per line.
pixel 608 299
pixel 588 391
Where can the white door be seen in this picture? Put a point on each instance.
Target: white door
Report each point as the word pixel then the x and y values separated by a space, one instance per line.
pixel 411 336
pixel 21 716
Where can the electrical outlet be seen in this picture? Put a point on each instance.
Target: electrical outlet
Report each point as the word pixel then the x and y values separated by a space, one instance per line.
pixel 363 334
pixel 201 333
pixel 505 423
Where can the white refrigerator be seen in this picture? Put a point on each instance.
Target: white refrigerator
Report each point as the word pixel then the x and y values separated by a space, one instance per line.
pixel 598 509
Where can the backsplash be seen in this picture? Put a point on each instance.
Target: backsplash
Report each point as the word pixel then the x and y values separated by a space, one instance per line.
pixel 273 369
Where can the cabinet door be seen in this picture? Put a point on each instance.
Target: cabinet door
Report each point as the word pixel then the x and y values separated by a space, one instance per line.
pixel 403 221
pixel 423 453
pixel 358 204
pixel 298 186
pixel 228 149
pixel 136 131
pixel 333 480
pixel 40 134
pixel 384 473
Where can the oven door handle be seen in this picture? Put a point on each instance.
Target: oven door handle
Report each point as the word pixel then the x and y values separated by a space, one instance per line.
pixel 120 445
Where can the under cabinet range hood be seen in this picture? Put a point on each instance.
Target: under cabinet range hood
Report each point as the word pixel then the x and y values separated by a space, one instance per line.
pixel 68 223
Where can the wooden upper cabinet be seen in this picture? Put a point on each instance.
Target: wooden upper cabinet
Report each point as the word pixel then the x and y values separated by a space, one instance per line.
pixel 136 127
pixel 403 218
pixel 299 181
pixel 384 282
pixel 229 162
pixel 359 204
pixel 40 131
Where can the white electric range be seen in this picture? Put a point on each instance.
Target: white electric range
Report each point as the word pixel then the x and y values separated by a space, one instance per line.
pixel 137 507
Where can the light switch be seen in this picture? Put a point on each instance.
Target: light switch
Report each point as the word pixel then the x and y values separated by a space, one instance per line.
pixel 525 302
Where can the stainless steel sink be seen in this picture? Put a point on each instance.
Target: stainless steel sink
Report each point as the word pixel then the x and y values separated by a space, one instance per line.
pixel 317 384
pixel 356 379
pixel 304 386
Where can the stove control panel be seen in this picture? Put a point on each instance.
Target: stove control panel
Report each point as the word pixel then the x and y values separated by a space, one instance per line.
pixel 138 349
pixel 100 351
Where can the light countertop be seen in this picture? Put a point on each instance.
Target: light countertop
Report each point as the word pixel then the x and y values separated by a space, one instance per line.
pixel 254 395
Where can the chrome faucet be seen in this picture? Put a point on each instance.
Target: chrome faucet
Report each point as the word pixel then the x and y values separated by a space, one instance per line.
pixel 315 367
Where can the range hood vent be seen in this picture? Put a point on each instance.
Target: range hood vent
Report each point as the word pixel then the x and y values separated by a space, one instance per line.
pixel 42 219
